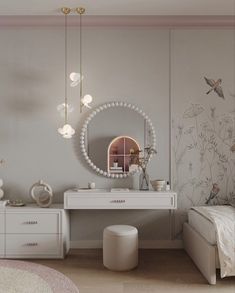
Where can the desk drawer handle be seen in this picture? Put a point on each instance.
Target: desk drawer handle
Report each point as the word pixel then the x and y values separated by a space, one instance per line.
pixel 31 244
pixel 31 222
pixel 117 201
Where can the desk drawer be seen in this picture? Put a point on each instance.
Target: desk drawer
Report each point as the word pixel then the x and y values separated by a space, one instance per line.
pixel 32 222
pixel 33 245
pixel 2 223
pixel 2 244
pixel 120 202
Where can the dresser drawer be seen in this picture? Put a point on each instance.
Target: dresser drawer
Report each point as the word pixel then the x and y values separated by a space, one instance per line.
pixel 2 223
pixel 33 245
pixel 29 222
pixel 2 244
pixel 120 201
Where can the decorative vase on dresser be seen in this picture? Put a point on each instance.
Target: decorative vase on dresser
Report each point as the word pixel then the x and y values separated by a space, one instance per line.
pixel 144 181
pixel 32 232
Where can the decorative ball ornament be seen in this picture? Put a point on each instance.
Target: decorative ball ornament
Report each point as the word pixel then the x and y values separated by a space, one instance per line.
pixel 91 185
pixel 41 193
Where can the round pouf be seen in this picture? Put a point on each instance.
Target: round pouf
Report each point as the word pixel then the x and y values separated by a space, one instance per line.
pixel 120 247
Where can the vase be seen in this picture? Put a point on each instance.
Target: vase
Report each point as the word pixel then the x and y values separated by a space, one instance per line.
pixel 144 181
pixel 1 191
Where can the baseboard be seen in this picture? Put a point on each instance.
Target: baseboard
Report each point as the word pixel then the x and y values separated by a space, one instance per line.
pixel 161 244
pixel 146 244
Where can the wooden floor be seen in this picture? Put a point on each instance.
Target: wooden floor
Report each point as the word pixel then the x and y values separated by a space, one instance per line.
pixel 158 271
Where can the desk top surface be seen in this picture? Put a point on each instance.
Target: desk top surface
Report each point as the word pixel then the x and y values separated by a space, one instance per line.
pixel 117 191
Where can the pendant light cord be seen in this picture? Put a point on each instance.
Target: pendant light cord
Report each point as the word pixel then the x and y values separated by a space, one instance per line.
pixel 81 76
pixel 66 71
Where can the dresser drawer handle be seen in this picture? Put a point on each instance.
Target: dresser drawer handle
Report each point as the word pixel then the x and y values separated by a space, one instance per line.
pixel 117 201
pixel 30 222
pixel 31 244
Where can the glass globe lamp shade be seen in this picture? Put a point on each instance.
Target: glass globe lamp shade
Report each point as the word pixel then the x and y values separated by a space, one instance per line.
pixel 76 78
pixel 86 100
pixel 66 131
pixel 61 109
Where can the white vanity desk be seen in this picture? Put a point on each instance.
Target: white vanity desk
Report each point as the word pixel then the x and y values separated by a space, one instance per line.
pixel 33 232
pixel 132 199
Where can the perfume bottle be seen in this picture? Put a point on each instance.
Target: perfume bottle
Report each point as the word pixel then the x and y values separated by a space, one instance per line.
pixel 168 188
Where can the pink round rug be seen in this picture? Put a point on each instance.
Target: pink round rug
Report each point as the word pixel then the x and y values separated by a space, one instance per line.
pixel 27 277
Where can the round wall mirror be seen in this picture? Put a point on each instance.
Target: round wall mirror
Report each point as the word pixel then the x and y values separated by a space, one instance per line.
pixel 113 135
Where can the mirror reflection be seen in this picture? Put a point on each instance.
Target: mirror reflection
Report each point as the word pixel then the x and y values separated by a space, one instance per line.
pixel 115 137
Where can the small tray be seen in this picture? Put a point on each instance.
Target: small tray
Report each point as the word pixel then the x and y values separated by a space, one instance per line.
pixel 119 190
pixel 84 189
pixel 16 203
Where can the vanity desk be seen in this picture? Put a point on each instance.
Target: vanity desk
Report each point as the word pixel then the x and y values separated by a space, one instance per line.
pixel 33 232
pixel 133 200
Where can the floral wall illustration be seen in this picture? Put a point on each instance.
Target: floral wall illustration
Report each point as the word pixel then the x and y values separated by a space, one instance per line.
pixel 203 121
pixel 204 156
pixel 210 139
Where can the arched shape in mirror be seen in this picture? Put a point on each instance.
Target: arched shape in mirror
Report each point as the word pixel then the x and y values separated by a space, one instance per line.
pixel 149 136
pixel 121 154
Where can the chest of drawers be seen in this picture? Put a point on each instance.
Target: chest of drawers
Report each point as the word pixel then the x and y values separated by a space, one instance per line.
pixel 2 222
pixel 32 232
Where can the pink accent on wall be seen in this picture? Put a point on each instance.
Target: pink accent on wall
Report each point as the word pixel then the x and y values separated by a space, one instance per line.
pixel 157 21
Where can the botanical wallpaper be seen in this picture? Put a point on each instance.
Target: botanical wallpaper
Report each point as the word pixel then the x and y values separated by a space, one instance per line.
pixel 203 119
pixel 203 154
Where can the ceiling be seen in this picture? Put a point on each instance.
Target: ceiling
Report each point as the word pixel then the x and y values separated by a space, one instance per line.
pixel 120 7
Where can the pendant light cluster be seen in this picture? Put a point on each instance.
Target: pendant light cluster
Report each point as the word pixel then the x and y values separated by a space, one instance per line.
pixel 76 79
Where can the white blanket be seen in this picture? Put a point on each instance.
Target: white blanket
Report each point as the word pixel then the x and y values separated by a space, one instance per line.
pixel 223 218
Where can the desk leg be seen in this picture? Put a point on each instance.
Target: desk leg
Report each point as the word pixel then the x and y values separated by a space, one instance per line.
pixel 171 225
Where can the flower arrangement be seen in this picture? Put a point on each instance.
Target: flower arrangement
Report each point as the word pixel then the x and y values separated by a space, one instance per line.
pixel 142 163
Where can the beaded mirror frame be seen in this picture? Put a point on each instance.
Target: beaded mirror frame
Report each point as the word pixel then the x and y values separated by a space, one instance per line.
pixel 104 107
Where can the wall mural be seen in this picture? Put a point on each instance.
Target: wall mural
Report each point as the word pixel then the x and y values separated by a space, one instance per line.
pixel 203 154
pixel 215 86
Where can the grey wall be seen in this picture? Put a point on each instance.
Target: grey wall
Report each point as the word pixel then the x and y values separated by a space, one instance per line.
pixel 129 64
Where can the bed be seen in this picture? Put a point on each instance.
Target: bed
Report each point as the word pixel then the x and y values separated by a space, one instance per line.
pixel 200 235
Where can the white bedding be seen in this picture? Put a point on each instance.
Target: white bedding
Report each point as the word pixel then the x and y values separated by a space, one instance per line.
pixel 202 225
pixel 223 218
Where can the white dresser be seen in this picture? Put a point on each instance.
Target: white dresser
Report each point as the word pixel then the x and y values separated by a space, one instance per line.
pixel 33 232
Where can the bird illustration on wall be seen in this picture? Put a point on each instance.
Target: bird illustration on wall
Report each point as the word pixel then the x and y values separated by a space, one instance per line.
pixel 214 191
pixel 232 149
pixel 215 86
